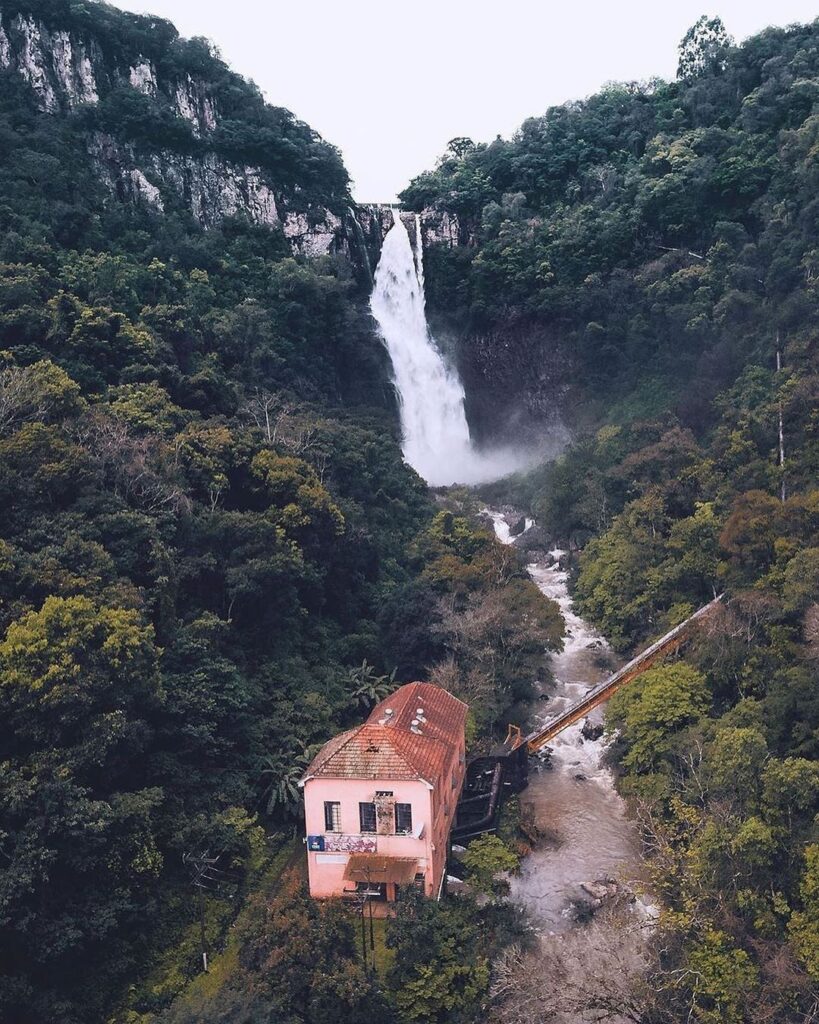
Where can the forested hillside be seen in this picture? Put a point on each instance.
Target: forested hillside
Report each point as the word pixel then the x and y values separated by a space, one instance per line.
pixel 660 242
pixel 212 556
pixel 166 124
pixel 645 244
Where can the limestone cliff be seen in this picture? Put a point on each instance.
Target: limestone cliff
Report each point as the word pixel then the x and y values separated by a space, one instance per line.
pixel 73 65
pixel 168 126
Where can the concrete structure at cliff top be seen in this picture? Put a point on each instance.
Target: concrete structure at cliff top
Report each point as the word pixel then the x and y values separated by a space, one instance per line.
pixel 380 799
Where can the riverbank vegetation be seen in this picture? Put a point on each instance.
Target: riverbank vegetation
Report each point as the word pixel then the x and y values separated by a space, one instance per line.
pixel 661 238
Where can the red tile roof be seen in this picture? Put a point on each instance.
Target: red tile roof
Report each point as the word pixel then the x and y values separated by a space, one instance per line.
pixel 389 746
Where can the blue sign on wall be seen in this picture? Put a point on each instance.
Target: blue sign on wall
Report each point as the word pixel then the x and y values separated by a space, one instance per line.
pixel 315 843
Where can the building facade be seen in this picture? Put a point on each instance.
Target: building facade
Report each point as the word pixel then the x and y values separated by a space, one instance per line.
pixel 380 799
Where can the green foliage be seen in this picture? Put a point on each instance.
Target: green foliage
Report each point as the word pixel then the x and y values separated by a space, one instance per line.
pixel 443 990
pixel 79 811
pixel 203 513
pixel 296 961
pixel 368 687
pixel 651 711
pixel 440 972
pixel 704 48
pixel 804 924
pixel 281 781
pixel 724 981
pixel 487 857
pixel 39 392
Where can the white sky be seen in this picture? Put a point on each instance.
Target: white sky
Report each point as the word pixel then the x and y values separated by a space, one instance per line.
pixel 390 82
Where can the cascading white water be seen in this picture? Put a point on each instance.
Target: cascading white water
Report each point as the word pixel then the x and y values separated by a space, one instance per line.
pixel 436 434
pixel 431 396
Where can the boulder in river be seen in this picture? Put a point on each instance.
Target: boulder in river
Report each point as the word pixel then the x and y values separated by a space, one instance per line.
pixel 517 524
pixel 591 730
pixel 543 758
pixel 601 889
pixel 534 539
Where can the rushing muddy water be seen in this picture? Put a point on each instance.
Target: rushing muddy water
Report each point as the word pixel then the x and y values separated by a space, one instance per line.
pixel 589 836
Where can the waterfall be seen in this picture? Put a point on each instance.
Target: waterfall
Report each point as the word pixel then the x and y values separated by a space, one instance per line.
pixel 430 394
pixel 436 434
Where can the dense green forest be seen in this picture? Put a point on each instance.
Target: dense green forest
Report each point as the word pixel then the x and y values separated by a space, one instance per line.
pixel 661 238
pixel 212 555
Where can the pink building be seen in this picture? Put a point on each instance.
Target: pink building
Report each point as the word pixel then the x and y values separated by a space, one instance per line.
pixel 380 799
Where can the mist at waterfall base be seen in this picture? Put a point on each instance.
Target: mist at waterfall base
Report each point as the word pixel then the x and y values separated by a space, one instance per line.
pixel 436 438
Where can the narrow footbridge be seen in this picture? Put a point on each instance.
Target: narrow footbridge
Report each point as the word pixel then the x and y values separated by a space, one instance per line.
pixel 673 639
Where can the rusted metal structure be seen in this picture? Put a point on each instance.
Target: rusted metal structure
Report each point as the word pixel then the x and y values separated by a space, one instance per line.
pixel 667 643
pixel 508 767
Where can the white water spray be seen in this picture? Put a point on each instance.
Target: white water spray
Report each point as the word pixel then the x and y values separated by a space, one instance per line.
pixel 431 396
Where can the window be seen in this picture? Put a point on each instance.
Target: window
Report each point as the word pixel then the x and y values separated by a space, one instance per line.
pixel 377 891
pixel 366 816
pixel 403 818
pixel 332 816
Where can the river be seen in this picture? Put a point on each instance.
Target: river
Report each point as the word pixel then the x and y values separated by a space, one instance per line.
pixel 574 801
pixel 588 835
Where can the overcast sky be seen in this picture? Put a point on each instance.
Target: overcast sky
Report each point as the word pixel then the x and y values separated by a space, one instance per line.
pixel 390 82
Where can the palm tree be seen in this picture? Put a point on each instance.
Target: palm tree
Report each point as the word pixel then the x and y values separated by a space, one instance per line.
pixel 368 687
pixel 281 776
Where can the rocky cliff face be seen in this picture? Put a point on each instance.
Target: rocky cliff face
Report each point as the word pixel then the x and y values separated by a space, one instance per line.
pixel 68 69
pixel 437 227
pixel 72 68
pixel 59 69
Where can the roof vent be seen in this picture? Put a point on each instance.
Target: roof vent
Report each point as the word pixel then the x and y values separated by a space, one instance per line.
pixel 419 712
pixel 414 726
pixel 388 711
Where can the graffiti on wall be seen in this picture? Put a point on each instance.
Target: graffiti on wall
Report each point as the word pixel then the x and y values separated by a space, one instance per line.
pixel 336 843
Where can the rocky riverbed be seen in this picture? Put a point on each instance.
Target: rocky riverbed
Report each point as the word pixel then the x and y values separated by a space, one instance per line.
pixel 581 885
